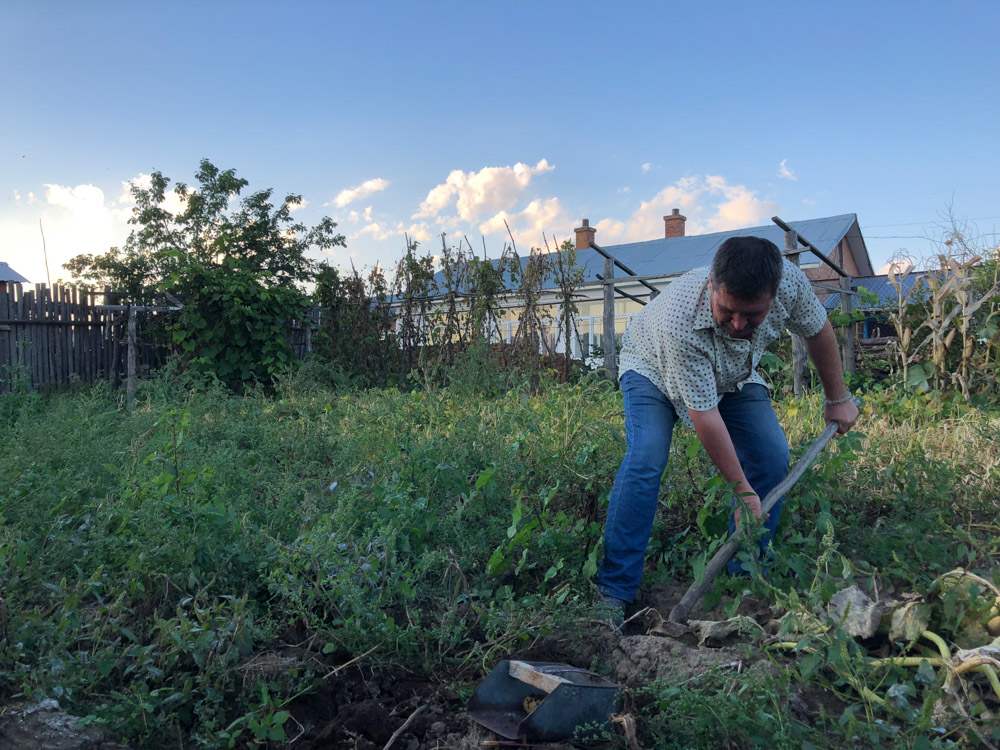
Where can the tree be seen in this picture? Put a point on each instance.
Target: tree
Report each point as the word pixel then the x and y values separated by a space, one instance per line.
pixel 237 269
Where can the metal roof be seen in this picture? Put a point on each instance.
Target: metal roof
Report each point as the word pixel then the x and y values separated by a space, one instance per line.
pixel 668 256
pixel 675 255
pixel 9 274
pixel 882 288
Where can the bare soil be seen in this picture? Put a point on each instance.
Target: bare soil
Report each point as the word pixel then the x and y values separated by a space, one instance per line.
pixel 366 710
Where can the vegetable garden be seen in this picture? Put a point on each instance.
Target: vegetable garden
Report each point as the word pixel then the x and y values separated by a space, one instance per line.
pixel 312 567
pixel 335 553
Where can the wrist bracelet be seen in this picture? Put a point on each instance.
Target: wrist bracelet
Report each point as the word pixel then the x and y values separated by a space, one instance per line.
pixel 835 401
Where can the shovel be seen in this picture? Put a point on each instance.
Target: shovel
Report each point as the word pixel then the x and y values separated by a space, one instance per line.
pixel 542 701
pixel 679 614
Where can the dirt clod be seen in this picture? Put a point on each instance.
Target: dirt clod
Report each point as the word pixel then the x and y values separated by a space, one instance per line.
pixel 46 726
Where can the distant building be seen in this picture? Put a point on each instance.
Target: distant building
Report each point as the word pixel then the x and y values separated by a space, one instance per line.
pixel 9 274
pixel 659 261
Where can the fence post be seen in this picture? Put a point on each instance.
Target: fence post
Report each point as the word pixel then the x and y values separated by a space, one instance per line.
pixel 610 365
pixel 847 338
pixel 130 383
pixel 800 367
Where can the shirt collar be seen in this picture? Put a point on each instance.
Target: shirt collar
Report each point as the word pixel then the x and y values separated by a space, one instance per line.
pixel 703 309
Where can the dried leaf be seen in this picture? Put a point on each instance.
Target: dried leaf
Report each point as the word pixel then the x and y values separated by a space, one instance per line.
pixel 909 621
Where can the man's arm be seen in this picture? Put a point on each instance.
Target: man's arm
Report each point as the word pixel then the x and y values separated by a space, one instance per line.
pixel 714 435
pixel 825 354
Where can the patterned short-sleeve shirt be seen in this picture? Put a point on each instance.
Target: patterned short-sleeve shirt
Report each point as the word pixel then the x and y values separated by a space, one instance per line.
pixel 676 343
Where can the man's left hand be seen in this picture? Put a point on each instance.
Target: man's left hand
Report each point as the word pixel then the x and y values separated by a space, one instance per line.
pixel 845 415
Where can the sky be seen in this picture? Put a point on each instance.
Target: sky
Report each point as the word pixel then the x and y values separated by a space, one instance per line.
pixel 416 119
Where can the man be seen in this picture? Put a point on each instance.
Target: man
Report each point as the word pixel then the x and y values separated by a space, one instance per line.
pixel 692 354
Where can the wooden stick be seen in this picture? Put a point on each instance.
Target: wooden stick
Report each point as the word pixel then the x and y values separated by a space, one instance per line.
pixel 398 732
pixel 679 613
pixel 544 681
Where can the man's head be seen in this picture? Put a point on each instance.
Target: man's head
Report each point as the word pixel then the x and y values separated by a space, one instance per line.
pixel 744 281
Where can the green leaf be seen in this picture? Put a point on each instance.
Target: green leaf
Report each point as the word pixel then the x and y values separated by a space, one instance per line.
pixel 485 477
pixel 809 664
pixel 497 563
pixel 698 567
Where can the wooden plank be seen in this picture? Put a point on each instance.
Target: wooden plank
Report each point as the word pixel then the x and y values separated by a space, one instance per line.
pixel 42 334
pixel 84 338
pixel 848 356
pixel 30 352
pixel 60 336
pixel 69 295
pixel 12 339
pixel 5 338
pixel 816 251
pixel 544 681
pixel 70 315
pixel 63 338
pixel 610 364
pixel 130 383
pixel 55 337
pixel 67 315
pixel 49 353
pixel 15 312
pixel 800 361
pixel 36 340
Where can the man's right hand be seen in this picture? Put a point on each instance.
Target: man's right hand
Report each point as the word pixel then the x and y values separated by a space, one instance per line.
pixel 745 495
pixel 845 415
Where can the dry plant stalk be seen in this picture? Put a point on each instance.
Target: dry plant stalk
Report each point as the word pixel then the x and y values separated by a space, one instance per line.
pixel 953 306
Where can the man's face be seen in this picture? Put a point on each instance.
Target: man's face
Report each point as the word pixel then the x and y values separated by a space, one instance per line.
pixel 738 317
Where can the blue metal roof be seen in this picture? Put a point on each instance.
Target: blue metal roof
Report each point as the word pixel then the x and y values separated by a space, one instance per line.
pixel 675 255
pixel 882 288
pixel 663 257
pixel 9 274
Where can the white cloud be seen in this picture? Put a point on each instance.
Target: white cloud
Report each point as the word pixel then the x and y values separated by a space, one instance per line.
pixel 418 232
pixel 647 166
pixel 785 172
pixel 366 188
pixel 376 230
pixel 298 206
pixel 75 220
pixel 379 232
pixel 529 226
pixel 808 202
pixel 709 202
pixel 368 213
pixel 483 193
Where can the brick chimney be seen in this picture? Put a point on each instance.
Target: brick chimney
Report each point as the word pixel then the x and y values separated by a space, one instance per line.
pixel 585 235
pixel 673 225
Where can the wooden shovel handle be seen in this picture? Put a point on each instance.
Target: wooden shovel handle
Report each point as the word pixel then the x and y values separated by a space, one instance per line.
pixel 681 610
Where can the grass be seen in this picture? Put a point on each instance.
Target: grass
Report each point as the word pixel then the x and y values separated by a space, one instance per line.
pixel 148 559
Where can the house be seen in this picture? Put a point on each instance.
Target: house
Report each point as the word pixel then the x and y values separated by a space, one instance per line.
pixel 8 274
pixel 656 262
pixel 660 260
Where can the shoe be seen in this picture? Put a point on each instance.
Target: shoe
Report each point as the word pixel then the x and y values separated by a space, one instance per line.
pixel 611 610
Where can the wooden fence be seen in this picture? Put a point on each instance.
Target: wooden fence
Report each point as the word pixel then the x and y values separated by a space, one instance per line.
pixel 59 335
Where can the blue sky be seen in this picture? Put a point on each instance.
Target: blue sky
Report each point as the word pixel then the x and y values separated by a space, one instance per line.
pixel 431 117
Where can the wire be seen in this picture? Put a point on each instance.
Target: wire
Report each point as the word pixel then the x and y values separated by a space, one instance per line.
pixel 923 223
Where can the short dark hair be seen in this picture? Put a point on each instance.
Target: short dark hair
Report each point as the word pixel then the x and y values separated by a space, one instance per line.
pixel 748 267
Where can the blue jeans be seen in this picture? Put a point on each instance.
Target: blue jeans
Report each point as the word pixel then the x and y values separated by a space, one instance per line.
pixel 649 424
